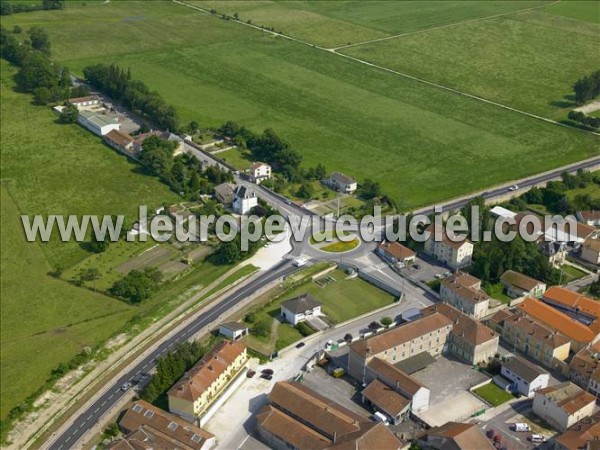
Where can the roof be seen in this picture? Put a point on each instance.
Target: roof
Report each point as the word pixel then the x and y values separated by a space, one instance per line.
pixel 586 364
pixel 500 316
pixel 463 436
pixel 98 119
pixel 568 396
pixel 243 192
pixel 400 334
pixel 301 303
pixel 305 419
pixel 235 326
pixel 589 215
pixel 397 250
pixel 258 165
pixel 556 320
pixel 573 300
pixel 204 373
pixel 538 331
pixel 578 435
pixel 340 178
pixel 385 398
pixel 456 244
pixel 585 230
pixel 519 280
pixel 464 327
pixel 394 377
pixel 499 211
pixel 592 244
pixel 224 189
pixel 118 137
pixel 524 368
pixel 415 363
pixel 157 425
pixel 465 287
pixel 82 99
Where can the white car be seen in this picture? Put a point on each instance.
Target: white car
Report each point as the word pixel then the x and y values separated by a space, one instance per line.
pixel 537 438
pixel 299 262
pixel 126 386
pixel 519 426
pixel 514 187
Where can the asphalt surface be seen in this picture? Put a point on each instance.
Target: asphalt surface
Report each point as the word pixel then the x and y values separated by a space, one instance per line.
pixel 92 415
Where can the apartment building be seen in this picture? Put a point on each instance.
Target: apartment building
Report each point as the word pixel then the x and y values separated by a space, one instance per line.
pixel 563 405
pixel 455 254
pixel 585 369
pixel 463 291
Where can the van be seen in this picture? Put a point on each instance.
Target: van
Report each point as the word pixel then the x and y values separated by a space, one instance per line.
pixel 519 426
pixel 537 438
pixel 379 417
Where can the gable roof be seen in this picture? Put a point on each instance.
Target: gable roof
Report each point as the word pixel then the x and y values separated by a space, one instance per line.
pixel 589 215
pixel 234 326
pixel 224 189
pixel 168 429
pixel 243 192
pixel 557 320
pixel 394 377
pixel 301 303
pixel 580 434
pixel 464 327
pixel 389 400
pixel 537 330
pixel 463 436
pixel 258 165
pixel 446 240
pixel 399 335
pixel 519 280
pixel 592 244
pixel 397 250
pixel 465 287
pixel 586 364
pixel 524 368
pixel 118 137
pixel 340 178
pixel 568 396
pixel 204 373
pixel 573 300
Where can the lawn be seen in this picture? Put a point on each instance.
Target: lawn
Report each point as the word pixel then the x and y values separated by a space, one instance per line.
pixel 402 134
pixel 572 273
pixel 496 291
pixel 493 394
pixel 592 189
pixel 336 23
pixel 240 159
pixel 580 10
pixel 511 59
pixel 340 247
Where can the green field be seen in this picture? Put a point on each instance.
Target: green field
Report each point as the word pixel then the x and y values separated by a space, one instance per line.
pixel 350 117
pixel 337 23
pixel 493 394
pixel 511 59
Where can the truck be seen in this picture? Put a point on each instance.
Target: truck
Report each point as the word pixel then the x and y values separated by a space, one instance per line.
pixel 520 426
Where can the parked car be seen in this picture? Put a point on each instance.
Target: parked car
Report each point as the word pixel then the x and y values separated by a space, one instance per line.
pixel 416 266
pixel 537 438
pixel 267 376
pixel 300 344
pixel 439 276
pixel 447 274
pixel 490 434
pixel 520 426
pixel 126 386
pixel 267 371
pixel 250 373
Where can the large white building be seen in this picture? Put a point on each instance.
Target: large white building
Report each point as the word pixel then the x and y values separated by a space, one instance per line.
pixel 562 405
pixel 259 172
pixel 297 309
pixel 456 254
pixel 526 378
pixel 98 123
pixel 244 200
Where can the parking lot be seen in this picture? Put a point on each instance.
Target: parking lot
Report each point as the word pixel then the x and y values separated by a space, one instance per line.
pixel 428 269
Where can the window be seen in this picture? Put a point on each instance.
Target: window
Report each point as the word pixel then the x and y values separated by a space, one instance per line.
pixel 172 426
pixel 137 408
pixel 149 414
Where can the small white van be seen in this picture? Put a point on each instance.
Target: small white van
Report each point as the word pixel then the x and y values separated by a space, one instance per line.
pixel 519 426
pixel 379 417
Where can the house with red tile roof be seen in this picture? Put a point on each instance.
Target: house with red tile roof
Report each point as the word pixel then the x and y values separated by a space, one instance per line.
pixel 563 405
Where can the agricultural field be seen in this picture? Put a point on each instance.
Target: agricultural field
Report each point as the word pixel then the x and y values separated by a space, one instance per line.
pixel 215 70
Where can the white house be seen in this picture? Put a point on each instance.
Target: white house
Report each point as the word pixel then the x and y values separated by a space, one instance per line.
pixel 526 378
pixel 84 101
pixel 299 308
pixel 259 171
pixel 341 183
pixel 244 200
pixel 396 253
pixel 563 405
pixel 98 123
pixel 233 330
pixel 455 253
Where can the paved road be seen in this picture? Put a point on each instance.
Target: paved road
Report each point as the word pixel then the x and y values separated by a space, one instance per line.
pixel 113 394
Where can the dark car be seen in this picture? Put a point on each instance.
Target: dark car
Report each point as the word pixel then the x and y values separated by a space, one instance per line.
pixel 267 371
pixel 490 434
pixel 300 345
pixel 250 373
pixel 416 266
pixel 267 376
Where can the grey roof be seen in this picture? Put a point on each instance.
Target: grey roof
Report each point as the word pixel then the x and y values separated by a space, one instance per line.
pixel 234 326
pixel 224 189
pixel 524 368
pixel 171 137
pixel 415 363
pixel 301 303
pixel 341 178
pixel 243 192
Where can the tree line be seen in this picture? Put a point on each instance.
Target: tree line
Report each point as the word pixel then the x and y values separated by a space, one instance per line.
pixel 137 285
pixel 584 119
pixel 587 87
pixel 118 84
pixel 7 7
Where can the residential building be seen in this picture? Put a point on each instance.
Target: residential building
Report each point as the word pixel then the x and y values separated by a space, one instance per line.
pixel 570 231
pixel 147 427
pixel 427 334
pixel 244 200
pixel 297 309
pixel 224 193
pixel 526 378
pixel 259 172
pixel 556 252
pixel 585 369
pixel 298 418
pixel 191 396
pixel 539 342
pixel 469 340
pixel 579 334
pixel 233 330
pixel 84 101
pixel 518 285
pixel 584 435
pixel 584 309
pixel 463 291
pixel 407 395
pixel 589 217
pixel 590 251
pixel 396 253
pixel 120 141
pixel 140 138
pixel 168 136
pixel 341 183
pixel 455 436
pixel 456 254
pixel 97 122
pixel 562 405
